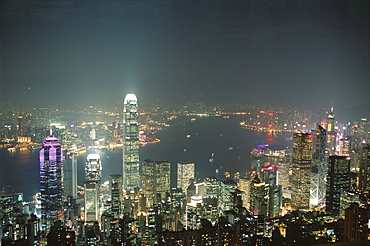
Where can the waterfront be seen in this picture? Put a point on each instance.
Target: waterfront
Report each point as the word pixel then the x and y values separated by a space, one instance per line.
pixel 184 139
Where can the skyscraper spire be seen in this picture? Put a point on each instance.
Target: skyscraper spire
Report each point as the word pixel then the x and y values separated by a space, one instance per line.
pixel 331 131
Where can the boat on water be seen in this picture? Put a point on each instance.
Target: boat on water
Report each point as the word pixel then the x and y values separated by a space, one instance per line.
pixel 211 160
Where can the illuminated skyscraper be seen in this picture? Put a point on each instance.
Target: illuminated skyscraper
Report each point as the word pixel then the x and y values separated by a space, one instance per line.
pixel 51 182
pixel 11 210
pixel 70 176
pixel 331 120
pixel 92 187
pixel 130 143
pixel 244 185
pixel 93 168
pixel 356 229
pixel 149 180
pixel 301 170
pixel 273 190
pixel 226 199
pixel 364 175
pixel 319 168
pixel 331 132
pixel 185 174
pixel 163 169
pixel 115 186
pixel 338 182
pixel 257 200
pixel 156 180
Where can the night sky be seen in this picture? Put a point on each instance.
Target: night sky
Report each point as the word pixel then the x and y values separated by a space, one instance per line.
pixel 305 53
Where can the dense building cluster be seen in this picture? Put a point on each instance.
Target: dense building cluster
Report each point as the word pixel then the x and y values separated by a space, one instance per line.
pixel 315 192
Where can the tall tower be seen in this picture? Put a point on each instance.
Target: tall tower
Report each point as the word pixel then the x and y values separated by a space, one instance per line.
pixel 93 168
pixel 51 182
pixel 185 174
pixel 115 186
pixel 70 176
pixel 269 176
pixel 156 180
pixel 92 187
pixel 226 199
pixel 130 143
pixel 301 170
pixel 331 131
pixel 364 174
pixel 331 119
pixel 338 181
pixel 319 168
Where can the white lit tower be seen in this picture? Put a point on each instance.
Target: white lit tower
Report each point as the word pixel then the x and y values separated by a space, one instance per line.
pixel 93 168
pixel 70 176
pixel 319 168
pixel 92 187
pixel 51 182
pixel 130 143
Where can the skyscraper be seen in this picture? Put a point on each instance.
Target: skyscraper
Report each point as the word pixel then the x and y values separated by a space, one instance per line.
pixel 51 184
pixel 70 176
pixel 163 169
pixel 149 180
pixel 364 174
pixel 301 170
pixel 331 132
pixel 226 200
pixel 319 168
pixel 257 200
pixel 269 177
pixel 92 187
pixel 93 168
pixel 185 174
pixel 356 222
pixel 115 186
pixel 338 181
pixel 130 143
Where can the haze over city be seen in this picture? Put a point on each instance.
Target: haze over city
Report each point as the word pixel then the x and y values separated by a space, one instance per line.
pixel 289 53
pixel 189 123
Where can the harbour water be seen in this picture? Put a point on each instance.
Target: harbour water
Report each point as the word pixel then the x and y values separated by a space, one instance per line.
pixel 211 142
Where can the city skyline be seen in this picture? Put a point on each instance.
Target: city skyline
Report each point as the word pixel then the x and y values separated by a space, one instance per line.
pixel 289 53
pixel 247 207
pixel 168 122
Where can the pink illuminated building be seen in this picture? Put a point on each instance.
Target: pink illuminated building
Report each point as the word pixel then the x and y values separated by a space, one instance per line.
pixel 51 184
